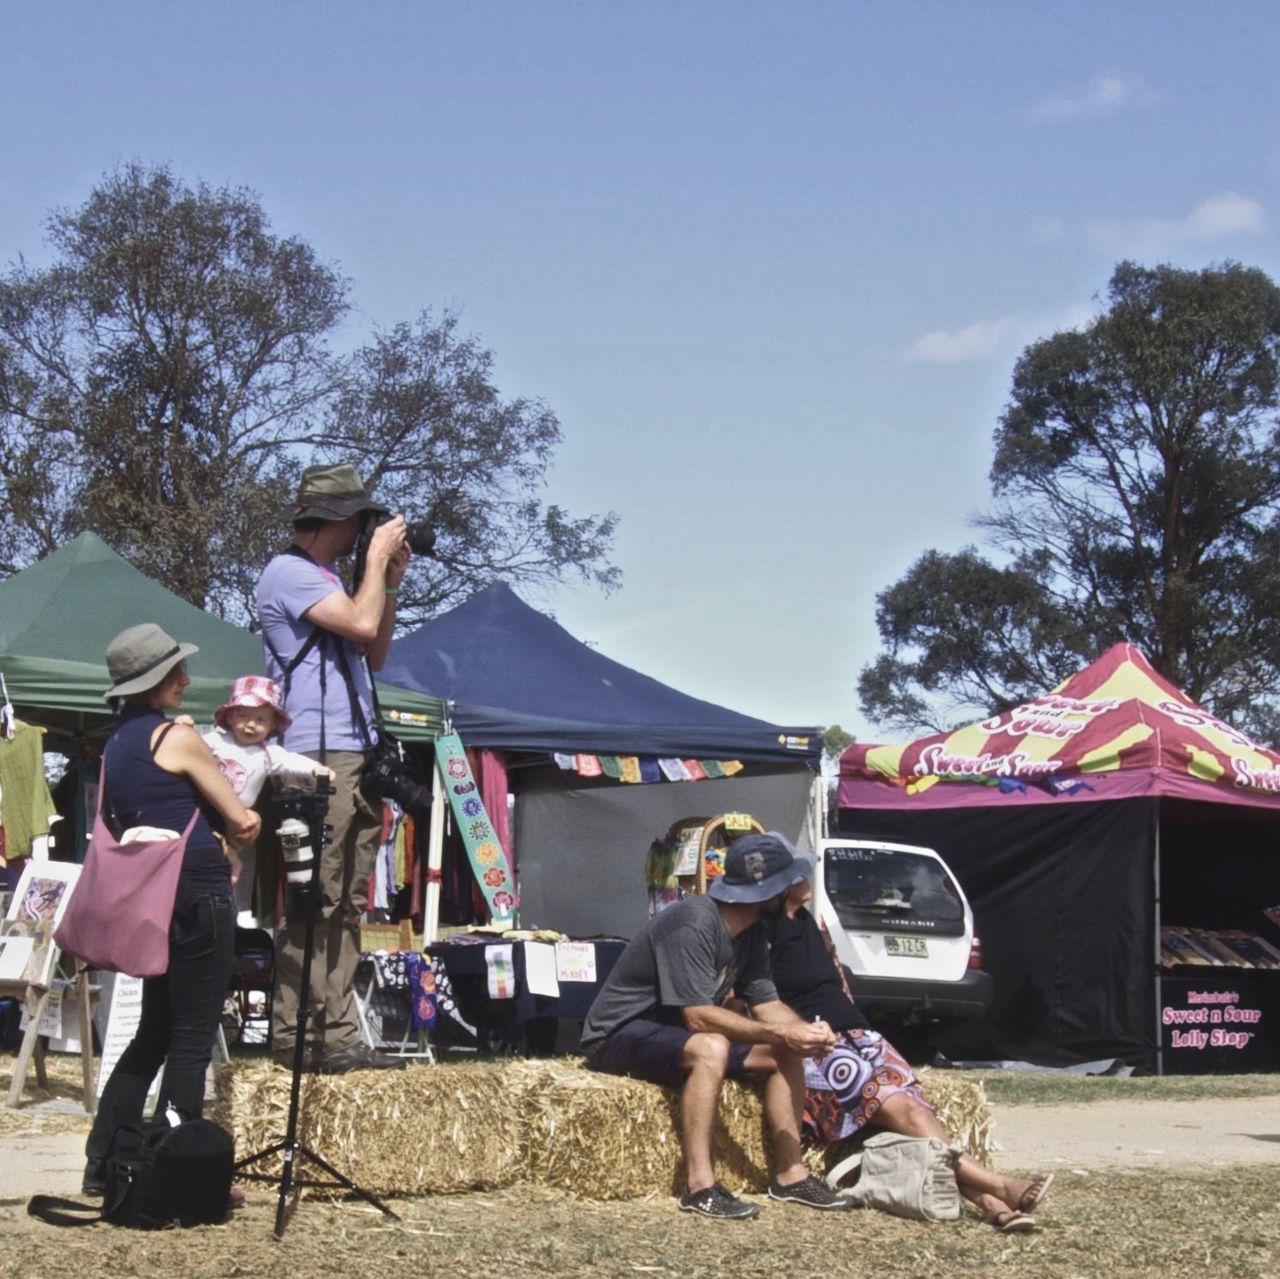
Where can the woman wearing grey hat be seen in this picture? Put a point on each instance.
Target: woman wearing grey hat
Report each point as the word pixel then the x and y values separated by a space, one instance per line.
pixel 157 771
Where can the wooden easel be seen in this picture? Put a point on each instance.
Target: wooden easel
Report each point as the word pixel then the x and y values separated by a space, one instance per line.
pixel 35 1000
pixel 34 910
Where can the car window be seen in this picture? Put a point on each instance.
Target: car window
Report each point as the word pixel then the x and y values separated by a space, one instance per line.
pixel 887 888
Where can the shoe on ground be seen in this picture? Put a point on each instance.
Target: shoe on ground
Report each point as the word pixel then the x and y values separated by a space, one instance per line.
pixel 811 1193
pixel 340 1061
pixel 95 1182
pixel 716 1201
pixel 235 1199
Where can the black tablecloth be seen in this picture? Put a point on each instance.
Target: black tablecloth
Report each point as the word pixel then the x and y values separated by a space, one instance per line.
pixel 502 1021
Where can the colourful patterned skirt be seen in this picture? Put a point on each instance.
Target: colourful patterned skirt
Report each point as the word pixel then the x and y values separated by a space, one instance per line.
pixel 844 1089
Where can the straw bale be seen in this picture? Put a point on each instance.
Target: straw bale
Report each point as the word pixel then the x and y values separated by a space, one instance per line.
pixel 489 1124
pixel 419 1131
pixel 603 1137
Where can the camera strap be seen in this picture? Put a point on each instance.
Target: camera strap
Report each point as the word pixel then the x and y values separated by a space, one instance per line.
pixel 320 638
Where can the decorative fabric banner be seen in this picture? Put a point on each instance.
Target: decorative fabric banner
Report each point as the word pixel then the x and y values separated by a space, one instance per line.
pixel 488 859
pixel 645 768
pixel 502 971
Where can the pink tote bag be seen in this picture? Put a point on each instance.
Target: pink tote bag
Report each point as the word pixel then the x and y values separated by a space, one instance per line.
pixel 119 912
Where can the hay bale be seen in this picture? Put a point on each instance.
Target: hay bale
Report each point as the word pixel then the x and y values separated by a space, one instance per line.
pixel 602 1137
pixel 486 1124
pixel 412 1132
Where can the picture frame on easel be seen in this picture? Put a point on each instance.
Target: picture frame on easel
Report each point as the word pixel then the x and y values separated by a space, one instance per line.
pixel 43 892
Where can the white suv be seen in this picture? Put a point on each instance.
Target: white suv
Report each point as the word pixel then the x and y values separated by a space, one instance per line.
pixel 903 928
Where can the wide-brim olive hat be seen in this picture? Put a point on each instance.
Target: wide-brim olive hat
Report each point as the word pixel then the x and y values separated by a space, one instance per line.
pixel 330 493
pixel 139 658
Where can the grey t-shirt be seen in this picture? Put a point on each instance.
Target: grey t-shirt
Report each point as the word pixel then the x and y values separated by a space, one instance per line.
pixel 684 958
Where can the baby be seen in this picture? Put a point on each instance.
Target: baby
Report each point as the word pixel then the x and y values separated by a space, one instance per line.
pixel 239 741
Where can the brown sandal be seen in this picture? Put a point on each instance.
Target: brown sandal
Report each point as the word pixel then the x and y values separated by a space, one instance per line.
pixel 1010 1222
pixel 1035 1192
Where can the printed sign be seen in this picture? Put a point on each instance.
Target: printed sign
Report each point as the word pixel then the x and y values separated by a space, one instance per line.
pixel 1223 1025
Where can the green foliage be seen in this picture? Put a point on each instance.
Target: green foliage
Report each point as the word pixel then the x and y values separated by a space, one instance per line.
pixel 1137 478
pixel 150 377
pixel 835 741
pixel 418 407
pixel 165 379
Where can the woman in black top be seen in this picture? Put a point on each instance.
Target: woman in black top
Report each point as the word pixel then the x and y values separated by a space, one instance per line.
pixel 864 1080
pixel 157 772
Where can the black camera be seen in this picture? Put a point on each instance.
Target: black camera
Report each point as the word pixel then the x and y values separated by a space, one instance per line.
pixel 420 534
pixel 386 777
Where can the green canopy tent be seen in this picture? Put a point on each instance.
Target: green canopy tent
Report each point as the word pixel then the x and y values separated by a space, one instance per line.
pixel 57 617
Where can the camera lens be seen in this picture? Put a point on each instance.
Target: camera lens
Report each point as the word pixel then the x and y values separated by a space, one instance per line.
pixel 421 537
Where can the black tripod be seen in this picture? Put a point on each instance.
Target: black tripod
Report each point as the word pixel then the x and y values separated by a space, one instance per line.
pixel 309 808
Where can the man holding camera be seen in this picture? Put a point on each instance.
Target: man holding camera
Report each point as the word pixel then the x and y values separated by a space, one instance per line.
pixel 317 638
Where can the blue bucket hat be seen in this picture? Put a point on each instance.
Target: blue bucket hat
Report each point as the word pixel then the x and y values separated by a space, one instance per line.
pixel 756 868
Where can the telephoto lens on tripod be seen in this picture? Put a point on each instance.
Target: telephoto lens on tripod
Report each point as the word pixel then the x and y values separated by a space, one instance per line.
pixel 299 862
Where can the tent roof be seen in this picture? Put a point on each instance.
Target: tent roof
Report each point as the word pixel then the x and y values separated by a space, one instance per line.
pixel 520 681
pixel 1115 729
pixel 57 617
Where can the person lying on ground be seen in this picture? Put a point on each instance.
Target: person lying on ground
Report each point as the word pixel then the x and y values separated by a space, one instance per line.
pixel 863 1080
pixel 659 1017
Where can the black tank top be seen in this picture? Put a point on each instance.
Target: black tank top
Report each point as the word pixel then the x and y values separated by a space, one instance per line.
pixel 141 793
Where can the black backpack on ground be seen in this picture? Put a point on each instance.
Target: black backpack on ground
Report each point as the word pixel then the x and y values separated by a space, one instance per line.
pixel 156 1174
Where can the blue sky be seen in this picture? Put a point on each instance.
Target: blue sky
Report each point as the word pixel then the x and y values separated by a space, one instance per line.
pixel 770 264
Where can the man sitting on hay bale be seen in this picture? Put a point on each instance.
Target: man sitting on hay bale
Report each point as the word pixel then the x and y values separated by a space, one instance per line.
pixel 659 1017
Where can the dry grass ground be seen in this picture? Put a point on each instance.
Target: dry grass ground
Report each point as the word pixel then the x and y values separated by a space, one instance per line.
pixel 1110 1225
pixel 1122 1223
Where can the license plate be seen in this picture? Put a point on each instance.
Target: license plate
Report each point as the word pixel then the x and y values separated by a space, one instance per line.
pixel 914 947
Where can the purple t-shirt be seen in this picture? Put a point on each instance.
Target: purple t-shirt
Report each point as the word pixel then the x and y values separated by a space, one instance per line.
pixel 290 585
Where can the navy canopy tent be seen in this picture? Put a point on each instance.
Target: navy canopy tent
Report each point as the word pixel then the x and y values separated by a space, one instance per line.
pixel 518 682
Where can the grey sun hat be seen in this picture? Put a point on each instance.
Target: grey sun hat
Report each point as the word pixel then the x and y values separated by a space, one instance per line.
pixel 139 658
pixel 330 493
pixel 756 868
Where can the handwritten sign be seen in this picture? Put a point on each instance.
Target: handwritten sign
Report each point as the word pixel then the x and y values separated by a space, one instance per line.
pixel 575 961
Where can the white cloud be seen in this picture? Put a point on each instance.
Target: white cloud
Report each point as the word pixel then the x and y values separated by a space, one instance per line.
pixel 1103 96
pixel 960 346
pixel 1217 217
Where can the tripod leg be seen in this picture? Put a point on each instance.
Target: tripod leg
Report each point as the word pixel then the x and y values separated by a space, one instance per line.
pixel 345 1182
pixel 286 1184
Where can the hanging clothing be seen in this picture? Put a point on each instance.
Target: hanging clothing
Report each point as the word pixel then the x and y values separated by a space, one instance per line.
pixel 25 803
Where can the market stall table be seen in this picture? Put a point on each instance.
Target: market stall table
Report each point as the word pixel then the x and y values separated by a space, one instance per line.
pixel 536 999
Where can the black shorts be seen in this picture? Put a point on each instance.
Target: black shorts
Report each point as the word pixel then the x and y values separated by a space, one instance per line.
pixel 654 1051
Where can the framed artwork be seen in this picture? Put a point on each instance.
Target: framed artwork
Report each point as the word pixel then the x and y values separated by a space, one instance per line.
pixel 43 891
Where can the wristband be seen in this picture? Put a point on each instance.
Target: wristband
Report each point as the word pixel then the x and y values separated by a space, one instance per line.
pixel 392 592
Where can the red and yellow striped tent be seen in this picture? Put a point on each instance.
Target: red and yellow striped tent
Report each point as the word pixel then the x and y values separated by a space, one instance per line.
pixel 1079 823
pixel 1115 730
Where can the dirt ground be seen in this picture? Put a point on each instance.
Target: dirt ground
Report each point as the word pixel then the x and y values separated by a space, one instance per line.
pixel 1144 1188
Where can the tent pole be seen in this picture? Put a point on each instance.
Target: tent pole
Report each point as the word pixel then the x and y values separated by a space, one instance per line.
pixel 435 856
pixel 1155 895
